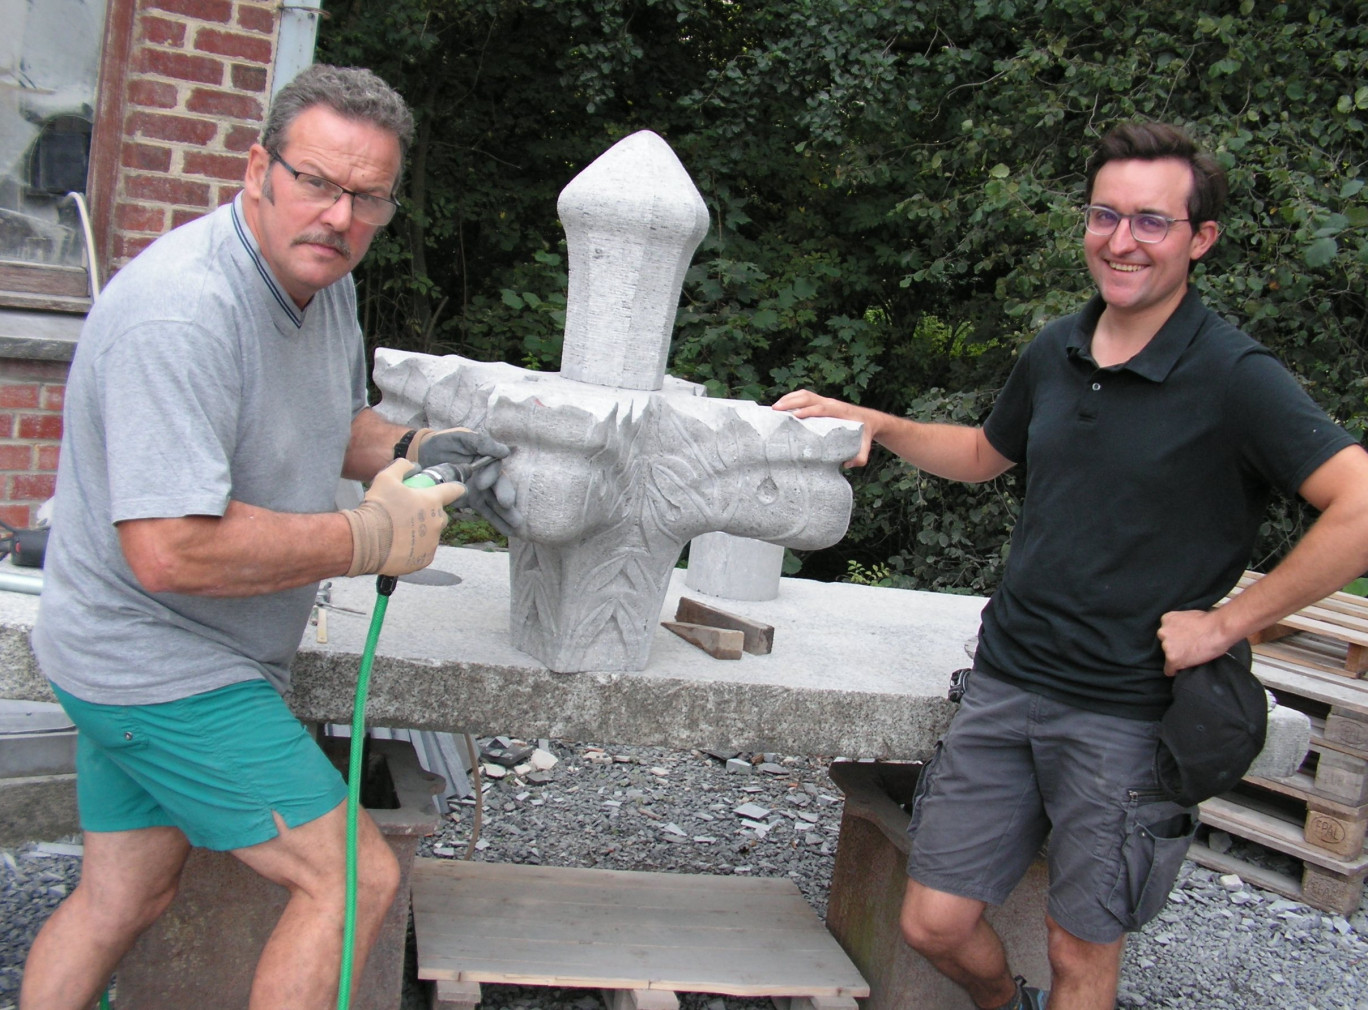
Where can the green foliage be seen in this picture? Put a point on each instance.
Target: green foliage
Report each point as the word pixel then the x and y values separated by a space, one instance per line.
pixel 468 528
pixel 893 191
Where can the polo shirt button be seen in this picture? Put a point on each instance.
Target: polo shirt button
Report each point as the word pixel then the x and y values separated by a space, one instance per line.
pixel 1096 386
pixel 128 736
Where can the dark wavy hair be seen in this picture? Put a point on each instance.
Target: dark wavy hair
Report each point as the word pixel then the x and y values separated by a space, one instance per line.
pixel 352 92
pixel 1152 141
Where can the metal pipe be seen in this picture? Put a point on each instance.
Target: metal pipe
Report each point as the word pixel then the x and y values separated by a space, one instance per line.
pixel 17 582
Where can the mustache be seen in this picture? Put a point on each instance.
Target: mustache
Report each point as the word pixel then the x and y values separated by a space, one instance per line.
pixel 332 241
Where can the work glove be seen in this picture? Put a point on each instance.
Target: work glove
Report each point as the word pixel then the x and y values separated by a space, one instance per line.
pixel 396 529
pixel 489 491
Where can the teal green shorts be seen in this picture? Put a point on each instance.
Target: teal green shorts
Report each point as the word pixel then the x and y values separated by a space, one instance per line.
pixel 214 765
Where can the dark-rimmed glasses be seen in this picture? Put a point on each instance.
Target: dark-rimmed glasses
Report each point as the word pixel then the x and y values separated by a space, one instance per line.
pixel 367 207
pixel 1145 227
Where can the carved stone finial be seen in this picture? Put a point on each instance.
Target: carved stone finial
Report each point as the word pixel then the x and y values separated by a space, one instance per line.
pixel 618 465
pixel 632 221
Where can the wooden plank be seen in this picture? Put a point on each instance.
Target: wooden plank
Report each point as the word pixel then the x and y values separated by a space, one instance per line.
pixel 1319 888
pixel 1276 833
pixel 623 930
pixel 759 637
pixel 719 643
pixel 1302 786
pixel 1315 653
pixel 1331 689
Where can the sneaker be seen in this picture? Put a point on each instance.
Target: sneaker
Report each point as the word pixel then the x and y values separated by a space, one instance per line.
pixel 1031 998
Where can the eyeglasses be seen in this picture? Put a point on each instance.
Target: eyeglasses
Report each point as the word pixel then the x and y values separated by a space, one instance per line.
pixel 1144 227
pixel 314 189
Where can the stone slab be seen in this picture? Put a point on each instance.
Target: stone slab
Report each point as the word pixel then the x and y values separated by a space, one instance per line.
pixel 36 808
pixel 856 671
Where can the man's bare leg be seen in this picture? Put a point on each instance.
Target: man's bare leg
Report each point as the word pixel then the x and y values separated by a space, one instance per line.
pixel 951 933
pixel 299 967
pixel 128 879
pixel 1083 975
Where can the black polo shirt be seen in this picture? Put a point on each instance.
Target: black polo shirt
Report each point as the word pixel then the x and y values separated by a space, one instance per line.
pixel 1145 486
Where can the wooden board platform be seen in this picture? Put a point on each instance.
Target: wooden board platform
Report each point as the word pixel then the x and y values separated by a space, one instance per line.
pixel 624 930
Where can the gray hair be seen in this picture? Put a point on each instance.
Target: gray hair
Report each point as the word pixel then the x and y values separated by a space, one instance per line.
pixel 351 92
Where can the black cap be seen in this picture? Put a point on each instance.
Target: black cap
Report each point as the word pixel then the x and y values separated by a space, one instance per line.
pixel 1213 730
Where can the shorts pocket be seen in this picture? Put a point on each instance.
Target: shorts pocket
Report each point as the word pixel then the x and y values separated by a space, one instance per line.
pixel 1158 833
pixel 923 784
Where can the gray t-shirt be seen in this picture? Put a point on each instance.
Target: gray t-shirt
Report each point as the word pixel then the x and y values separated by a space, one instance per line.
pixel 196 380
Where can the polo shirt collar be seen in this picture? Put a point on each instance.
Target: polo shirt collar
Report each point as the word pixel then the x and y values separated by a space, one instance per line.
pixel 1159 356
pixel 288 317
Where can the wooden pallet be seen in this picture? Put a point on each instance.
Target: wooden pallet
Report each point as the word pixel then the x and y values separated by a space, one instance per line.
pixel 1331 635
pixel 641 937
pixel 1327 882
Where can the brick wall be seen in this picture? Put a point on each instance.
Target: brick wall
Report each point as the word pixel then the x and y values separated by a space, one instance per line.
pixel 30 426
pixel 195 92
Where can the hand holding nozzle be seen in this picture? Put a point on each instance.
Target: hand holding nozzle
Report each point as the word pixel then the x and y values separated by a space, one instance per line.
pixel 397 527
pixel 488 490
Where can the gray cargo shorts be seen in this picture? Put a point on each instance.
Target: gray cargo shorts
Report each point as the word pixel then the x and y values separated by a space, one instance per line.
pixel 1015 768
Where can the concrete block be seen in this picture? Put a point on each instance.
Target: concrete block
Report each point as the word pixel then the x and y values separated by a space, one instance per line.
pixel 737 568
pixel 867 890
pixel 1285 744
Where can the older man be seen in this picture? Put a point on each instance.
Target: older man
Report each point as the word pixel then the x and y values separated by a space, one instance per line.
pixel 1152 432
pixel 217 395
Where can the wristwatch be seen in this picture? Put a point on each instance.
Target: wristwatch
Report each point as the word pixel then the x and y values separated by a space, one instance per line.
pixel 401 447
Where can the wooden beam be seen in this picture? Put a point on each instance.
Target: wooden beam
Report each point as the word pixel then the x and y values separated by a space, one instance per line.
pixel 759 638
pixel 720 643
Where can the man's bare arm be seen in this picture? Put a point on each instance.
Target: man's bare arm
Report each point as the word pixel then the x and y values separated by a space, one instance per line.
pixel 1333 552
pixel 954 451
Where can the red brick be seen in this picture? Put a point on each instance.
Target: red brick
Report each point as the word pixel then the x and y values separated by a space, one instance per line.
pixel 6 425
pixel 17 516
pixel 234 44
pixel 160 126
pixel 226 193
pixel 241 138
pixel 155 94
pixel 181 66
pixel 48 457
pixel 166 189
pixel 40 426
pixel 147 157
pixel 53 398
pixel 12 395
pixel 34 486
pixel 137 217
pixel 128 246
pixel 257 19
pixel 16 457
pixel 161 31
pixel 208 102
pixel 202 10
pixel 183 215
pixel 247 78
pixel 228 167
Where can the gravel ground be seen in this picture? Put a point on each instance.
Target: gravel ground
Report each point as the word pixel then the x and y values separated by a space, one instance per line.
pixel 1218 945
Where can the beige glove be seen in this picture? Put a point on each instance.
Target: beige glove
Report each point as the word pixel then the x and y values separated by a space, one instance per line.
pixel 396 529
